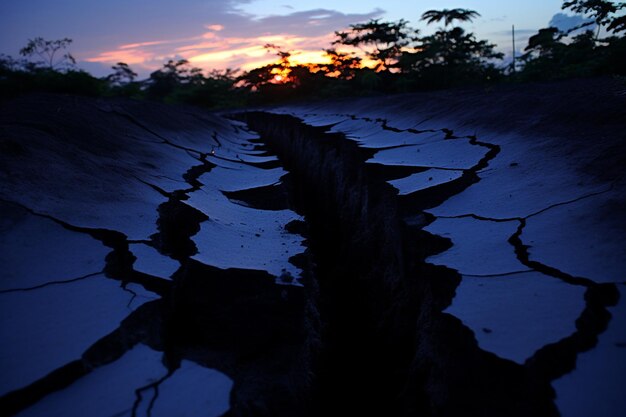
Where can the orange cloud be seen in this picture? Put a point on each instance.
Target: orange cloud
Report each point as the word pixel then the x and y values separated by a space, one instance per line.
pixel 251 51
pixel 129 56
pixel 215 28
pixel 309 57
pixel 211 50
pixel 200 46
pixel 141 44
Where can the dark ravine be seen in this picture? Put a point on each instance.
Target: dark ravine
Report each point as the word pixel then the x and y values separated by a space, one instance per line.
pixel 353 357
pixel 386 347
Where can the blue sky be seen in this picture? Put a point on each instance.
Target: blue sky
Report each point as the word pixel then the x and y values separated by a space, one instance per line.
pixel 231 33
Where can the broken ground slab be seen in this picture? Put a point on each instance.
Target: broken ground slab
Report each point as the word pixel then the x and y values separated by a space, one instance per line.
pixel 150 261
pixel 36 251
pixel 111 390
pixel 55 301
pixel 236 235
pixel 239 177
pixel 524 178
pixel 383 138
pixel 138 295
pixel 376 134
pixel 46 328
pixel 424 180
pixel 596 386
pixel 242 237
pixel 479 247
pixel 583 239
pixel 452 154
pixel 515 316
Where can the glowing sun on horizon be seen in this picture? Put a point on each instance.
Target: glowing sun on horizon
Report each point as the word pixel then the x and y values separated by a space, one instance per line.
pixel 281 75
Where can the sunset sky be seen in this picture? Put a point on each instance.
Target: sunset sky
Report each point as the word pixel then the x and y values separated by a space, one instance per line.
pixel 231 33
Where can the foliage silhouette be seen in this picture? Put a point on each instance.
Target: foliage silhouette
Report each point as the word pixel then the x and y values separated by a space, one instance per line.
pixel 375 57
pixel 451 56
pixel 48 53
pixel 449 16
pixel 385 40
pixel 552 54
pixel 601 11
pixel 122 74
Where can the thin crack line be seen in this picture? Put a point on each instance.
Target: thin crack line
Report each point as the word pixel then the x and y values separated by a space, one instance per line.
pixel 156 188
pixel 481 218
pixel 79 229
pixel 519 219
pixel 50 283
pixel 133 293
pixel 505 274
pixel 239 160
pixel 521 251
pixel 610 187
pixel 155 387
pixel 168 178
pixel 426 168
pixel 204 121
pixel 136 122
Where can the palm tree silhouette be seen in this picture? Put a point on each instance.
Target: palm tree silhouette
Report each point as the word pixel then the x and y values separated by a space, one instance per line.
pixel 448 16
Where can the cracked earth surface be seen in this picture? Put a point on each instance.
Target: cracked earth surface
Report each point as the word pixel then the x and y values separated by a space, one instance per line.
pixel 167 261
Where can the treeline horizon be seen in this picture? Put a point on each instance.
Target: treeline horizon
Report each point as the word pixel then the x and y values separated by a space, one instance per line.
pixel 401 60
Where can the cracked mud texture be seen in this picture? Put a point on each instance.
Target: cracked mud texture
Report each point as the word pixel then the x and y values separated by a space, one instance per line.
pixel 450 253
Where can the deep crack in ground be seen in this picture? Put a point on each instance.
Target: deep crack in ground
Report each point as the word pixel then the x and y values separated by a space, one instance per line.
pixel 364 255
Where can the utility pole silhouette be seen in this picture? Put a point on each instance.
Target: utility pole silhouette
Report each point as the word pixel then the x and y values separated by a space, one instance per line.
pixel 513 38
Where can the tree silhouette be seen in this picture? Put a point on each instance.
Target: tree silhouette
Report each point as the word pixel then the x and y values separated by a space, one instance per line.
pixel 451 56
pixel 280 72
pixel 544 43
pixel 275 73
pixel 600 11
pixel 122 74
pixel 449 16
pixel 170 77
pixel 48 52
pixel 618 24
pixel 386 38
pixel 342 65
